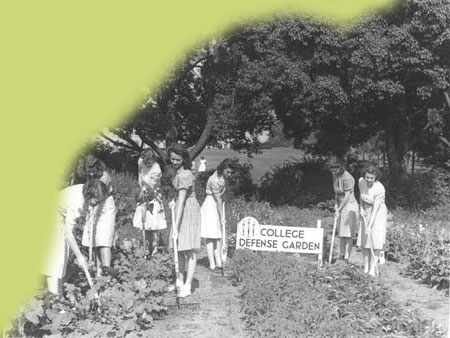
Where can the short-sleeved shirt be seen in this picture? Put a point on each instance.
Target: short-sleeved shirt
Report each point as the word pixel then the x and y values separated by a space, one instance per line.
pixel 343 183
pixel 184 179
pixel 71 203
pixel 372 194
pixel 149 175
pixel 215 184
pixel 106 178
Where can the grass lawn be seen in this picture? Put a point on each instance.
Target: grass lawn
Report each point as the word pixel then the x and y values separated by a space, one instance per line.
pixel 261 162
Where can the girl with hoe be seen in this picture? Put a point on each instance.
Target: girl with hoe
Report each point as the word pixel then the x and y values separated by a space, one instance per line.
pixel 373 211
pixel 150 210
pixel 212 212
pixel 75 201
pixel 186 226
pixel 99 230
pixel 346 207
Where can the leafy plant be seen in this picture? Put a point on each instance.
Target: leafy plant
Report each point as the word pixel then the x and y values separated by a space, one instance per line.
pixel 285 296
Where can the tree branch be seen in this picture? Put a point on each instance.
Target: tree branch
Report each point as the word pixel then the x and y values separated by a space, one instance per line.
pixel 133 146
pixel 161 154
pixel 203 139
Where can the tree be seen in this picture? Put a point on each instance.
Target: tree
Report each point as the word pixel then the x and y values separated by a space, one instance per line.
pixel 336 88
pixel 197 105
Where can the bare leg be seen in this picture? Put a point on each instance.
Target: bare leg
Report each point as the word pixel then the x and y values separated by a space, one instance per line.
pixel 148 240
pixel 217 252
pixel 210 252
pixel 97 262
pixel 105 255
pixel 191 264
pixel 348 247
pixel 181 265
pixel 342 247
pixel 366 257
pixel 374 262
pixel 54 285
pixel 154 239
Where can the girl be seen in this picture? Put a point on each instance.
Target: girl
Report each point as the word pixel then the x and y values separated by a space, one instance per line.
pixel 372 231
pixel 346 207
pixel 75 201
pixel 186 226
pixel 100 228
pixel 149 179
pixel 212 212
pixel 202 165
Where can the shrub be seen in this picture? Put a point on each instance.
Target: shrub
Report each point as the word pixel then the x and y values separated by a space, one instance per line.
pixel 424 248
pixel 299 183
pixel 240 183
pixel 419 192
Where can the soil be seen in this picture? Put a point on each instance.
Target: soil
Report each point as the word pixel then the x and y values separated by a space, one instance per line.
pixel 217 315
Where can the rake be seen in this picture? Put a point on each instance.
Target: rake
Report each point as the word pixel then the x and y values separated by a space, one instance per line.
pixel 178 307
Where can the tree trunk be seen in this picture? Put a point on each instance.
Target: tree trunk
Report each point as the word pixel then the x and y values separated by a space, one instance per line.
pixel 396 141
pixel 204 138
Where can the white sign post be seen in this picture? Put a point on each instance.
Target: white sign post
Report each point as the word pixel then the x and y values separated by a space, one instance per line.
pixel 254 236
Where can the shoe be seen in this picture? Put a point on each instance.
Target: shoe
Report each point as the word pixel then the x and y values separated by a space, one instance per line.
pixel 185 291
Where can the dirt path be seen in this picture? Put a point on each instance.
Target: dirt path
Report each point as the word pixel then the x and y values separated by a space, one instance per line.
pixel 411 295
pixel 218 315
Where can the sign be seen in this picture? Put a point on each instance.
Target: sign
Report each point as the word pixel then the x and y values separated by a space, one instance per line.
pixel 254 236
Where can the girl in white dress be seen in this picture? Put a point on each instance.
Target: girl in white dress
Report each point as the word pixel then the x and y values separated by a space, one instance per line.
pixel 372 230
pixel 202 165
pixel 100 229
pixel 74 201
pixel 150 210
pixel 212 212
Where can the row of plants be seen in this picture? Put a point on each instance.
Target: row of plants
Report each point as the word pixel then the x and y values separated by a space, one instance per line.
pixel 126 304
pixel 424 248
pixel 287 296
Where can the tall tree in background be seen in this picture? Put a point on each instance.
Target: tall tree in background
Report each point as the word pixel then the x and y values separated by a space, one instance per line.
pixel 334 88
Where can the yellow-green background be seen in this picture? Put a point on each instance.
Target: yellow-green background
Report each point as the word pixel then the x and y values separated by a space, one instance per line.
pixel 67 68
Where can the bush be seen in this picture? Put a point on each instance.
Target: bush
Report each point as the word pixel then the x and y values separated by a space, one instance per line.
pixel 283 296
pixel 299 183
pixel 424 248
pixel 240 183
pixel 419 192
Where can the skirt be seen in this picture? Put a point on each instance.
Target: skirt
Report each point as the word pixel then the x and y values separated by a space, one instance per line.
pixel 155 219
pixel 377 237
pixel 348 220
pixel 211 227
pixel 189 231
pixel 58 257
pixel 103 230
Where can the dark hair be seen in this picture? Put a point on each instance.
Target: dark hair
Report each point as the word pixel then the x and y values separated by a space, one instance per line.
pixel 226 163
pixel 90 167
pixel 335 163
pixel 148 157
pixel 181 150
pixel 95 189
pixel 371 168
